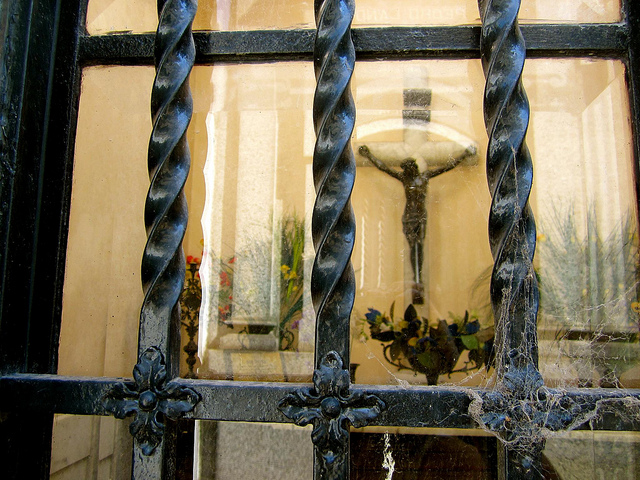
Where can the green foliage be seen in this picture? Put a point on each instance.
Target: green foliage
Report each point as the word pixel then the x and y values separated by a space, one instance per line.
pixel 292 279
pixel 589 281
pixel 413 344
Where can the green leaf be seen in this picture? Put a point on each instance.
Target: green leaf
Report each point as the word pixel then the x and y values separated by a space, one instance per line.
pixel 470 342
pixel 393 306
pixel 395 350
pixel 410 314
pixel 428 359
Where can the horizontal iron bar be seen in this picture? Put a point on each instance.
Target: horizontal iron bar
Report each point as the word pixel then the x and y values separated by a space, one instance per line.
pixel 602 40
pixel 416 406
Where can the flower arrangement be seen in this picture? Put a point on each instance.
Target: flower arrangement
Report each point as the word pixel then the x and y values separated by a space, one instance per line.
pixel 292 279
pixel 413 344
pixel 291 283
pixel 588 277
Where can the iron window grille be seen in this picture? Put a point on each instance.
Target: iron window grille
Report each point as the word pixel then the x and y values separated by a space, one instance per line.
pixel 46 47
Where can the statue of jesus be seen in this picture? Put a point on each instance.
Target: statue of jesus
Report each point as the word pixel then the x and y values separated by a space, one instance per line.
pixel 414 218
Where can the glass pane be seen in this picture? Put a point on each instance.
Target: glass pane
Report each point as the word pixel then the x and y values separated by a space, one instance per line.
pixel 587 254
pixel 412 454
pixel 419 251
pixel 90 447
pixel 583 196
pixel 105 16
pixel 570 11
pixel 586 455
pixel 257 321
pixel 111 16
pixel 102 290
pixel 231 450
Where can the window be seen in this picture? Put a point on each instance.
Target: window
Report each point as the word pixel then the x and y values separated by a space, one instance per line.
pixel 402 69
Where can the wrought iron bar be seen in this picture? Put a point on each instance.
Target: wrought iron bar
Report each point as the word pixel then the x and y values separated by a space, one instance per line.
pixel 334 169
pixel 333 222
pixel 224 400
pixel 593 40
pixel 163 265
pixel 331 407
pixel 512 230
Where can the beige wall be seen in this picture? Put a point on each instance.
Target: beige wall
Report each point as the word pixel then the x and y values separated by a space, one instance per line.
pixel 140 15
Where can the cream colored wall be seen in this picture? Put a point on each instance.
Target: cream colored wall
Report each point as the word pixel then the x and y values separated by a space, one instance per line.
pixel 105 16
pixel 102 290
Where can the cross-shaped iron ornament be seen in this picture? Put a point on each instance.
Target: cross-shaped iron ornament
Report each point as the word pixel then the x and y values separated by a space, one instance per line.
pixel 331 408
pixel 523 412
pixel 147 398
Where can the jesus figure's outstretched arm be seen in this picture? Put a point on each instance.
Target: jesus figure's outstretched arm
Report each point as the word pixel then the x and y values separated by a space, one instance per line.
pixel 365 152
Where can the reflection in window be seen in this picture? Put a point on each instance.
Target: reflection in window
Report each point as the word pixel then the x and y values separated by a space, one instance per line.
pixel 108 16
pixel 583 196
pixel 257 321
pixel 266 451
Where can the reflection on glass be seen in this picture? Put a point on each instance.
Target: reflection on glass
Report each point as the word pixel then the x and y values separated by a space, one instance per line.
pixel 587 254
pixel 422 311
pixel 593 455
pixel 85 447
pixel 256 319
pixel 412 454
pixel 107 16
pixel 102 290
pixel 231 450
pixel 421 204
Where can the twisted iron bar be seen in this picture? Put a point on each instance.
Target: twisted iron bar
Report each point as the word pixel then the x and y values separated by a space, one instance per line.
pixel 333 223
pixel 163 265
pixel 512 230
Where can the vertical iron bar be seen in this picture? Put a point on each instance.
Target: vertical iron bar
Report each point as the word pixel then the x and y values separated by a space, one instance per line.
pixel 163 265
pixel 333 224
pixel 38 90
pixel 512 231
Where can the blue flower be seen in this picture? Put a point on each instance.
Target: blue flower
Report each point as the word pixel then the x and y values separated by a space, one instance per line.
pixel 372 315
pixel 472 327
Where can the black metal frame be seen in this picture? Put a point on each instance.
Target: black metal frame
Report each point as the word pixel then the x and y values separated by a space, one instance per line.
pixel 46 47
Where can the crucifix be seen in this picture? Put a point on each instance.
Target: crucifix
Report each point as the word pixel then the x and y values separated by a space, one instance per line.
pixel 445 155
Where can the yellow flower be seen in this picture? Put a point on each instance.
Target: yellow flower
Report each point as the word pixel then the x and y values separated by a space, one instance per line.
pixel 635 306
pixel 285 269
